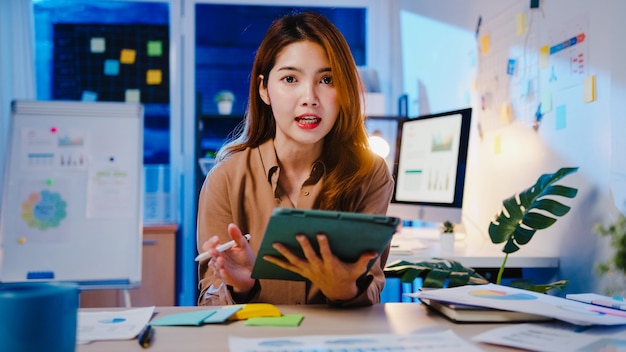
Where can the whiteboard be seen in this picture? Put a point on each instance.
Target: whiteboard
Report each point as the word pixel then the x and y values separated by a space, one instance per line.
pixel 72 200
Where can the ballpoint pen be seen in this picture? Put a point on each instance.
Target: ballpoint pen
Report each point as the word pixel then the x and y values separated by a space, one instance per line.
pixel 222 247
pixel 145 336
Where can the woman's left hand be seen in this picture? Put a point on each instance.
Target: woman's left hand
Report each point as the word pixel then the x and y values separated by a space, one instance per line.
pixel 335 278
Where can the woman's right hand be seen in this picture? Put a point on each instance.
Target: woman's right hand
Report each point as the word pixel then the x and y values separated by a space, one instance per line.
pixel 234 265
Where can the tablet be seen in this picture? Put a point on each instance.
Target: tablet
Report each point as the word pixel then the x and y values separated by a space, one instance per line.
pixel 349 236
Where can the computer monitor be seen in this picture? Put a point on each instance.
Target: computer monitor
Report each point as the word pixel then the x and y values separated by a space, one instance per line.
pixel 429 167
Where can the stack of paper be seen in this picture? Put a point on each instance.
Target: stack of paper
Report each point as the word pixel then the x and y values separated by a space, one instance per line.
pixel 518 300
pixel 463 313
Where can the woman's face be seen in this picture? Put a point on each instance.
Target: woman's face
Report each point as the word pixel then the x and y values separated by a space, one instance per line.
pixel 301 93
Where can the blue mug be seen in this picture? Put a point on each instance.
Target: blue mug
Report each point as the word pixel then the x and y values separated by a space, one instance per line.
pixel 38 316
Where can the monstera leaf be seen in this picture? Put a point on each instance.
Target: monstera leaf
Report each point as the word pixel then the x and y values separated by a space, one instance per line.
pixel 521 215
pixel 435 273
pixel 531 210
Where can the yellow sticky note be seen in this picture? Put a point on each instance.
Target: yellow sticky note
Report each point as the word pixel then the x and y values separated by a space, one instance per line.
pixel 589 89
pixel 544 55
pixel 520 23
pixel 497 145
pixel 253 310
pixel 153 77
pixel 127 56
pixel 505 113
pixel 132 96
pixel 484 44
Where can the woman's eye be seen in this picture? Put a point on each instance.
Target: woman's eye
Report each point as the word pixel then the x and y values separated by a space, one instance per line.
pixel 327 80
pixel 289 79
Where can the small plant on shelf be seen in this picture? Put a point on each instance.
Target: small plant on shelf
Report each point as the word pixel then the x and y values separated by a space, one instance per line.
pixel 224 95
pixel 447 227
pixel 224 100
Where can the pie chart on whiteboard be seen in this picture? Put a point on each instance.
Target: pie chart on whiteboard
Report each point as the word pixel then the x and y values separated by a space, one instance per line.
pixel 43 210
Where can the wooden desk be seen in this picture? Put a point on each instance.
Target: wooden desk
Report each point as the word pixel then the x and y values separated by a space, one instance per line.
pixel 399 318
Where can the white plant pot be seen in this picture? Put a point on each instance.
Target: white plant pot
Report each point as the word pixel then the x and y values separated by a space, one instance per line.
pixel 225 107
pixel 446 243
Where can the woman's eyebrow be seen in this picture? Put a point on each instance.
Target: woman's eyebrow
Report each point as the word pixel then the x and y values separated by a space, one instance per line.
pixel 292 68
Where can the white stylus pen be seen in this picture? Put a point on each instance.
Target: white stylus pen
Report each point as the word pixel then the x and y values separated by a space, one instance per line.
pixel 222 247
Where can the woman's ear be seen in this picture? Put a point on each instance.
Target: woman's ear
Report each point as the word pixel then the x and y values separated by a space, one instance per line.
pixel 263 91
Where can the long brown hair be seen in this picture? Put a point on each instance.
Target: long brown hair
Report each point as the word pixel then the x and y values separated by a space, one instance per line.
pixel 346 152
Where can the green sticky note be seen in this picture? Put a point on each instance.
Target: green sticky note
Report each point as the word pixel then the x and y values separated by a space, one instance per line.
pixel 285 320
pixel 155 48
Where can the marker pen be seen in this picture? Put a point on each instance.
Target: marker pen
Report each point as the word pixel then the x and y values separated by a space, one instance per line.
pixel 222 247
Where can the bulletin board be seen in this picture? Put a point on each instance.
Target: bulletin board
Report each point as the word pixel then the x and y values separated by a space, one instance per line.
pixel 524 62
pixel 72 201
pixel 508 80
pixel 106 62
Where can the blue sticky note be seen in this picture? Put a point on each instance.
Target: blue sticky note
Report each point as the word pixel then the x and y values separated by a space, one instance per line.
pixel 89 96
pixel 221 315
pixel 510 68
pixel 525 87
pixel 561 114
pixel 111 67
pixel 197 318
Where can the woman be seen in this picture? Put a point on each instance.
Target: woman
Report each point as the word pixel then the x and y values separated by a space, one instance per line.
pixel 303 144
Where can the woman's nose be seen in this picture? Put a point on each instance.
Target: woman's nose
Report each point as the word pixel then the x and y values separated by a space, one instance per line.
pixel 309 96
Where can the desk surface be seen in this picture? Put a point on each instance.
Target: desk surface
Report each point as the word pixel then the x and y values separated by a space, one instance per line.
pixel 399 318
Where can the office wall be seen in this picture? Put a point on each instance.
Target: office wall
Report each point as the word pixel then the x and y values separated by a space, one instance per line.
pixel 507 154
pixel 16 72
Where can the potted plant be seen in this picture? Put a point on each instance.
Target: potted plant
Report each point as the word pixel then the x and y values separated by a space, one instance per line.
pixel 525 213
pixel 616 264
pixel 447 227
pixel 521 216
pixel 446 238
pixel 224 100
